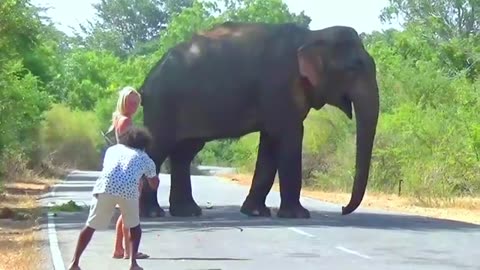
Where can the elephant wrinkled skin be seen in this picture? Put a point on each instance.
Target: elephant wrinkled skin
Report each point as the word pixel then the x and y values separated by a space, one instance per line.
pixel 239 78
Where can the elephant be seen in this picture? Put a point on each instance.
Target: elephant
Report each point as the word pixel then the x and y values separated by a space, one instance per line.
pixel 242 77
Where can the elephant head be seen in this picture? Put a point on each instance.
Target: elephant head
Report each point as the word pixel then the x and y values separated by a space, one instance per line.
pixel 339 72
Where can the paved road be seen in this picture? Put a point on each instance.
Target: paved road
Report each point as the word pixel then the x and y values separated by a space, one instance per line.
pixel 225 239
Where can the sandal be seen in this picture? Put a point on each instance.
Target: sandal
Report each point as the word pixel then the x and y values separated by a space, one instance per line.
pixel 118 255
pixel 139 256
pixel 78 268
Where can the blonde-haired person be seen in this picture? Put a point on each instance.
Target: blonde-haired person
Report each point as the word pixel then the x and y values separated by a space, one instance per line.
pixel 122 119
pixel 127 105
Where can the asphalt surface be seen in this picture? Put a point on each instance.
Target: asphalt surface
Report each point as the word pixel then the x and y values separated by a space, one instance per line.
pixel 225 239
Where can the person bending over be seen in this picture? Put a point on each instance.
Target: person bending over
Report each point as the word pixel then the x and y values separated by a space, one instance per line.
pixel 124 165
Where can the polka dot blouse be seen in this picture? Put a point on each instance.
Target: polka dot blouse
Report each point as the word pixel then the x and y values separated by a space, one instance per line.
pixel 122 169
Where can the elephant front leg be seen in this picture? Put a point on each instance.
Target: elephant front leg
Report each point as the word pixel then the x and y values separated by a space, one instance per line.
pixel 148 197
pixel 290 174
pixel 263 178
pixel 149 204
pixel 182 203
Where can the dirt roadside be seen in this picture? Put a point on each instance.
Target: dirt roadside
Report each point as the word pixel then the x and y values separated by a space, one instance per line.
pixel 460 209
pixel 22 244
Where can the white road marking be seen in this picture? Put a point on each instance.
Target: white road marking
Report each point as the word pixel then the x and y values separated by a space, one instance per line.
pixel 75 185
pixel 300 232
pixel 337 247
pixel 353 252
pixel 53 241
pixel 78 172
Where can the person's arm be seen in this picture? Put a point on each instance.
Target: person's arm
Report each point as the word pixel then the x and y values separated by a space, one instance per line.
pixel 140 186
pixel 151 173
pixel 122 124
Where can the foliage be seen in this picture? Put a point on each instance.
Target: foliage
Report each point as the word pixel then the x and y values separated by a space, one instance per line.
pixel 69 206
pixel 447 18
pixel 21 109
pixel 428 137
pixel 274 11
pixel 126 26
pixel 71 138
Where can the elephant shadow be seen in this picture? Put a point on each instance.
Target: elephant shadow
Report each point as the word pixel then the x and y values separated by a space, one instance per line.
pixel 228 217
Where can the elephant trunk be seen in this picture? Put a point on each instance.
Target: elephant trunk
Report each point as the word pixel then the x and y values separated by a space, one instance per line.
pixel 366 105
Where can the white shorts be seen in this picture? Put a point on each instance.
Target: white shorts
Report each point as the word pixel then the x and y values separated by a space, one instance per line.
pixel 102 207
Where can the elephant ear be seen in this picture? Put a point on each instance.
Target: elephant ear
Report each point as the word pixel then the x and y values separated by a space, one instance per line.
pixel 308 67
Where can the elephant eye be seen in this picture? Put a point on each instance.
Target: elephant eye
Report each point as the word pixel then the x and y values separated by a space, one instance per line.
pixel 355 64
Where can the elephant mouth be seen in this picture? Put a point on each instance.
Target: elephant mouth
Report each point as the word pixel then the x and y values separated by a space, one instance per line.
pixel 305 83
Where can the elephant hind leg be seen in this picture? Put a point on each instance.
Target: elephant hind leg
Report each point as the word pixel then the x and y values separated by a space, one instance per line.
pixel 182 203
pixel 263 178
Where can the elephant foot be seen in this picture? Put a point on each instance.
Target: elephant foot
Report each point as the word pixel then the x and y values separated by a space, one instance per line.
pixel 156 212
pixel 296 211
pixel 159 212
pixel 255 209
pixel 185 209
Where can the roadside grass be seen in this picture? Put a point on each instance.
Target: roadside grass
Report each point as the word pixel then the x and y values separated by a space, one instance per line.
pixel 69 206
pixel 20 212
pixel 466 209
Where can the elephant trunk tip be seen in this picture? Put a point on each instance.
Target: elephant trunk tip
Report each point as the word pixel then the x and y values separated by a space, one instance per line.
pixel 347 210
pixel 351 206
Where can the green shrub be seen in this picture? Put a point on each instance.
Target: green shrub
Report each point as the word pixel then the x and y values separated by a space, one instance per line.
pixel 21 107
pixel 71 138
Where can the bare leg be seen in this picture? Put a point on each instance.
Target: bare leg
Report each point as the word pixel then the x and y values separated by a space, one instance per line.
pixel 126 241
pixel 122 242
pixel 83 240
pixel 136 235
pixel 118 250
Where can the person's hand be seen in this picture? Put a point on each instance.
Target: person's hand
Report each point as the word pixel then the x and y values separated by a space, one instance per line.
pixel 154 182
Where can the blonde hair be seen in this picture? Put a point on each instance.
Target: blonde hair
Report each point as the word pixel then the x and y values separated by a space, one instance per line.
pixel 121 102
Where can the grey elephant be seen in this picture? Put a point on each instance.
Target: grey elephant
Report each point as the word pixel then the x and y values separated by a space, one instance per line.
pixel 238 78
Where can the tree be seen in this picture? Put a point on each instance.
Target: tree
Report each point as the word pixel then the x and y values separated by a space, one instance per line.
pixel 447 18
pixel 443 32
pixel 123 26
pixel 274 11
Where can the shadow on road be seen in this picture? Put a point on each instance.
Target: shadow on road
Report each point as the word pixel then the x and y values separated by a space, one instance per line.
pixel 198 259
pixel 228 217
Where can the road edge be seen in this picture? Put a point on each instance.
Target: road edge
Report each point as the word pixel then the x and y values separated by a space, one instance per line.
pixel 56 259
pixel 55 253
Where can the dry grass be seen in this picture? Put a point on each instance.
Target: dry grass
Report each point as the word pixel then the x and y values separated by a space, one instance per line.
pixel 19 249
pixel 20 243
pixel 461 209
